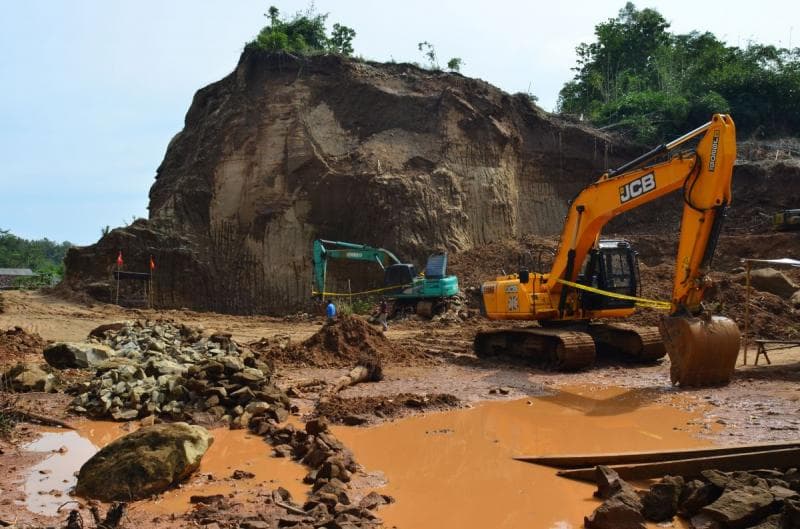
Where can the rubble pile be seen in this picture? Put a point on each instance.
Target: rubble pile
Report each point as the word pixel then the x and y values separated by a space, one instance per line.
pixel 332 501
pixel 175 372
pixel 767 499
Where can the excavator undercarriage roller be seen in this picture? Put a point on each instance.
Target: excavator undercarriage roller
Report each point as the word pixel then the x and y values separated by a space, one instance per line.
pixel 702 350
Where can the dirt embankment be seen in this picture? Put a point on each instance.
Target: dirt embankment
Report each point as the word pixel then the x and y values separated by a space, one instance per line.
pixel 285 150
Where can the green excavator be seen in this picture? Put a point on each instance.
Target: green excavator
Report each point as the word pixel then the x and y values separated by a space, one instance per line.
pixel 424 292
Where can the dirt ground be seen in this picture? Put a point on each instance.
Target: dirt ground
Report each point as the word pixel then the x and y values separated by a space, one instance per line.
pixel 760 404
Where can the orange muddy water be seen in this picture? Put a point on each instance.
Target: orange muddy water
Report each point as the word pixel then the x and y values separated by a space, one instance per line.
pixel 48 484
pixel 455 469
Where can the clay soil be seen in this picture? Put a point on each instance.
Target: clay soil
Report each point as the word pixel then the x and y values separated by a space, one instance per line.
pixel 427 367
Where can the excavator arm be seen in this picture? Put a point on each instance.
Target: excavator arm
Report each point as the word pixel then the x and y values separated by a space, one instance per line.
pixel 704 179
pixel 324 250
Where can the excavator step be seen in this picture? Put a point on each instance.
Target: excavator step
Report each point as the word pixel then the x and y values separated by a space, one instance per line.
pixel 556 349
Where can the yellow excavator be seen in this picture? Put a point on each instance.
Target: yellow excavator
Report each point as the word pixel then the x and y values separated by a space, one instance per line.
pixel 593 279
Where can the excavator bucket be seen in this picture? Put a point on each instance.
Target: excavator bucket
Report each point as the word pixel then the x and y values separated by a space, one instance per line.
pixel 702 351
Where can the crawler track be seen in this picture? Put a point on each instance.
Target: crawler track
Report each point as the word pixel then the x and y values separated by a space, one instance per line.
pixel 637 344
pixel 557 349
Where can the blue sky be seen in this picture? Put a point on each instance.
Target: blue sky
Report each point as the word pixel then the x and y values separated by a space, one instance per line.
pixel 91 91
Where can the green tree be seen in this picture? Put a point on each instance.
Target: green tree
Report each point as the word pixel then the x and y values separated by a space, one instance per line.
pixel 304 33
pixel 341 40
pixel 455 64
pixel 639 78
pixel 41 255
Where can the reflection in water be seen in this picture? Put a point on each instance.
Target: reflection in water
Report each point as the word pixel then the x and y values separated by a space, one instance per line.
pixel 48 483
pixel 455 469
pixel 234 450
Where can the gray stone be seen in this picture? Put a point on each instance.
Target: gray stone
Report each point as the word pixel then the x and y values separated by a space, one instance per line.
pixel 771 280
pixel 704 521
pixel 63 355
pixel 695 496
pixel 795 299
pixel 257 408
pixel 740 507
pixel 145 462
pixel 25 377
pixel 660 503
pixel 770 522
pixel 614 514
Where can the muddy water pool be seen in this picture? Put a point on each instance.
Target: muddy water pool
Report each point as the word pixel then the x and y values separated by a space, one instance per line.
pixel 47 484
pixel 455 469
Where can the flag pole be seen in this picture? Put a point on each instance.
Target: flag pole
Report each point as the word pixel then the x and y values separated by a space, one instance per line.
pixel 116 300
pixel 119 268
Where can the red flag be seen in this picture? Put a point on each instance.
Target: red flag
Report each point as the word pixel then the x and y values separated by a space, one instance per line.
pixel 152 264
pixel 119 259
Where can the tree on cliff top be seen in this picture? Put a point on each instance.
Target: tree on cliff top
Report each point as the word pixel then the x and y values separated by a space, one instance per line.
pixel 640 78
pixel 304 34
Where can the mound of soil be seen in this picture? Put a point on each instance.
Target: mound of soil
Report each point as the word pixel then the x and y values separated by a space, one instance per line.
pixel 770 316
pixel 16 344
pixel 343 343
pixel 361 409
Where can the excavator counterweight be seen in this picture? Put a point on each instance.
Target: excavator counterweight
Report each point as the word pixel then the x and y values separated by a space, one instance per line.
pixel 593 279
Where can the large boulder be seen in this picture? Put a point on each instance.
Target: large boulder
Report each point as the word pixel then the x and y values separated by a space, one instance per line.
pixel 28 377
pixel 741 507
pixel 771 280
pixel 615 513
pixel 63 355
pixel 143 463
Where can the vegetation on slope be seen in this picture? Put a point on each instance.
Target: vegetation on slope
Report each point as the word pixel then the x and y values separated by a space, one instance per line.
pixel 640 78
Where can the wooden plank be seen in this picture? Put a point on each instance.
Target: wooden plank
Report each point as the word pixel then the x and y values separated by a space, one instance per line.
pixel 688 468
pixel 621 458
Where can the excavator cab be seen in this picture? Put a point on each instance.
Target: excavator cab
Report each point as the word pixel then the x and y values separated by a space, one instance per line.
pixel 612 267
pixel 398 275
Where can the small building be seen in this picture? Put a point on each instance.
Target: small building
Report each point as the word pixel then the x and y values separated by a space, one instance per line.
pixel 9 275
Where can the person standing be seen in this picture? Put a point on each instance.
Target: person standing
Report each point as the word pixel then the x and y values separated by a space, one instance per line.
pixel 330 310
pixel 383 314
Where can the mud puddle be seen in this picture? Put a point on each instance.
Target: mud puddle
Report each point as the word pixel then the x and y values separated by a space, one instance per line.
pixel 48 484
pixel 455 469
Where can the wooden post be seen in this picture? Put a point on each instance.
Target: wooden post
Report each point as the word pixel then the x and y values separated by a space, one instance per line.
pixel 746 309
pixel 116 300
pixel 349 296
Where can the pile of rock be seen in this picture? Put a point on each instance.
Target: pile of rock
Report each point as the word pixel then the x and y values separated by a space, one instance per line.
pixel 331 502
pixel 176 372
pixel 457 311
pixel 763 499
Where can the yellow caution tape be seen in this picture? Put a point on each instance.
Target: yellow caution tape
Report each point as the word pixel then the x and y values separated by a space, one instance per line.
pixel 640 302
pixel 351 294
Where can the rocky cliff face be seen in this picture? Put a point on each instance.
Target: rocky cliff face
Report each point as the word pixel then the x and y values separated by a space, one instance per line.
pixel 285 150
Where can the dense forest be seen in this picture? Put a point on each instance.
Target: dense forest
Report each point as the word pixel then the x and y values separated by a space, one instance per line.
pixel 643 80
pixel 42 256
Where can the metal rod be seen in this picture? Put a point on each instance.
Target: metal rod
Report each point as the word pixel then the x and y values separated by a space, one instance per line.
pixel 688 136
pixel 748 264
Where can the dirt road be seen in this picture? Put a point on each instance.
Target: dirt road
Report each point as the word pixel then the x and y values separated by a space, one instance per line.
pixel 760 404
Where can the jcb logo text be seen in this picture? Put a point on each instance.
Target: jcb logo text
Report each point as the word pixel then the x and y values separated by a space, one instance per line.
pixel 637 188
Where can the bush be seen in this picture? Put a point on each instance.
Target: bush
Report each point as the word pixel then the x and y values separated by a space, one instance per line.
pixel 303 34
